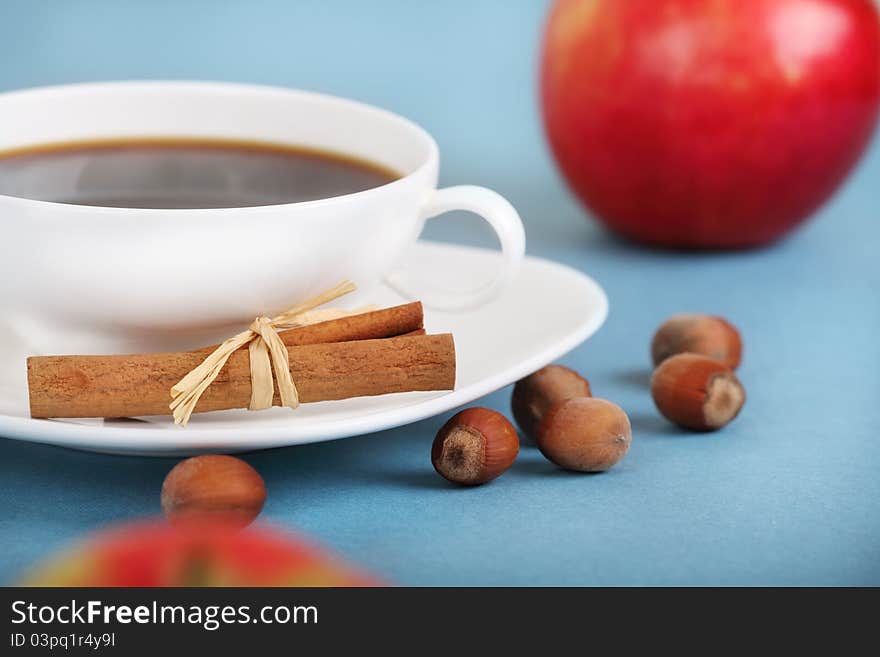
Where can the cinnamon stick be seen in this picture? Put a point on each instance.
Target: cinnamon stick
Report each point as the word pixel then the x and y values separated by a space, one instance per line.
pixel 134 385
pixel 384 323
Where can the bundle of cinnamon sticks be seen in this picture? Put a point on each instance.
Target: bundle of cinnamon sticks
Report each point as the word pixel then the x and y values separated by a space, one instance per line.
pixel 372 353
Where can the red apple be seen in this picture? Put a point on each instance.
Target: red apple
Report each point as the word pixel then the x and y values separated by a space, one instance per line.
pixel 709 124
pixel 195 554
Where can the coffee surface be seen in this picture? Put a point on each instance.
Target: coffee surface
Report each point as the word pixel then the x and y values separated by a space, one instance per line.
pixel 183 173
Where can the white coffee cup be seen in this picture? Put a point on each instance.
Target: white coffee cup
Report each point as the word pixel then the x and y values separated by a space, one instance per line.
pixel 77 278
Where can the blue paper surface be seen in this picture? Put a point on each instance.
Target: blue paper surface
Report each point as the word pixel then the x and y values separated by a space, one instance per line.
pixel 787 494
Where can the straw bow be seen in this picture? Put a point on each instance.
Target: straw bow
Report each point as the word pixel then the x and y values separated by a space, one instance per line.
pixel 267 351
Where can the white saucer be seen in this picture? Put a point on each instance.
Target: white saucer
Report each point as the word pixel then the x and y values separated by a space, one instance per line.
pixel 548 310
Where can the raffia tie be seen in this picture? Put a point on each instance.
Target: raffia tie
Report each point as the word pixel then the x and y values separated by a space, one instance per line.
pixel 267 352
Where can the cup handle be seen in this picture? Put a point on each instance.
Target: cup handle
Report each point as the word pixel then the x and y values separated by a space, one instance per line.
pixel 506 223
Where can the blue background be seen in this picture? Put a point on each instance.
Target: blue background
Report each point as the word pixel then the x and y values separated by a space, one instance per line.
pixel 788 494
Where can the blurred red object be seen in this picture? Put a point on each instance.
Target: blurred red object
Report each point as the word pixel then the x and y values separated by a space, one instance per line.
pixel 158 554
pixel 698 124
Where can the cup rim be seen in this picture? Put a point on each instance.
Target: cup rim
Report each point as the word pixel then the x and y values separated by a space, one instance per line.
pixel 239 87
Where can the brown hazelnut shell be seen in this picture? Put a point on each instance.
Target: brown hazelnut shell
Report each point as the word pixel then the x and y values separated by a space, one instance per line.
pixel 585 434
pixel 474 446
pixel 697 392
pixel 707 335
pixel 213 488
pixel 535 394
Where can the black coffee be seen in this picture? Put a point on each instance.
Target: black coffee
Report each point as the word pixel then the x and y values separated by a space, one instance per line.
pixel 183 173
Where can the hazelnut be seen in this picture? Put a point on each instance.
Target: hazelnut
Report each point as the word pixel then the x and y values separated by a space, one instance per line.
pixel 697 392
pixel 584 434
pixel 213 487
pixel 474 446
pixel 709 336
pixel 536 393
